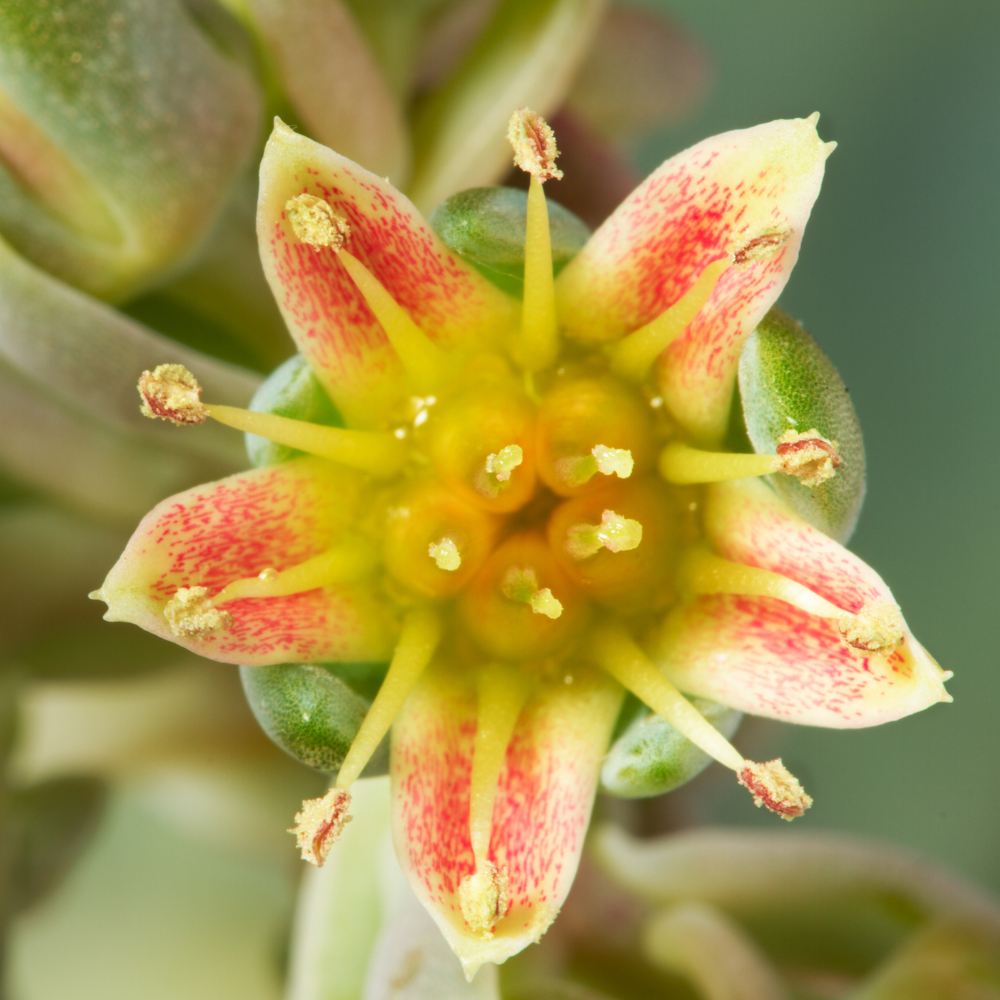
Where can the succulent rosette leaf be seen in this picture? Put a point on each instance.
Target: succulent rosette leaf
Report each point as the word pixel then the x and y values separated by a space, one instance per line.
pixel 512 512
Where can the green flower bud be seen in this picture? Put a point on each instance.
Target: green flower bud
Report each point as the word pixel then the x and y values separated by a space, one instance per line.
pixel 485 226
pixel 291 390
pixel 122 126
pixel 788 384
pixel 651 757
pixel 310 712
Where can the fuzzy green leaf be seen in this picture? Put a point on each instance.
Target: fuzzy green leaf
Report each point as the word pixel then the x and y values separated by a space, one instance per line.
pixel 651 757
pixel 486 227
pixel 787 383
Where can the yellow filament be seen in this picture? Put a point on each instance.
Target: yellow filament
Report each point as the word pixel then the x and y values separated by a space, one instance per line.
pixel 633 356
pixel 348 561
pixel 502 693
pixel 379 453
pixel 681 464
pixel 417 642
pixel 423 360
pixel 616 653
pixel 537 344
pixel 705 573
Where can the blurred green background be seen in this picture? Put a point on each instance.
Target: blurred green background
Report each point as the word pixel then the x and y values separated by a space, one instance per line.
pixel 897 281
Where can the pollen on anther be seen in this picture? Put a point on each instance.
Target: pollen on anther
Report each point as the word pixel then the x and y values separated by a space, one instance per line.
pixel 445 553
pixel 504 462
pixel 617 461
pixel 877 628
pixel 808 455
pixel 759 247
pixel 190 613
pixel 319 823
pixel 171 392
pixel 534 145
pixel 772 785
pixel 315 223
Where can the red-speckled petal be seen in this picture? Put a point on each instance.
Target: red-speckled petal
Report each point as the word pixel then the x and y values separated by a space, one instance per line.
pixel 212 535
pixel 543 804
pixel 326 314
pixel 688 213
pixel 764 656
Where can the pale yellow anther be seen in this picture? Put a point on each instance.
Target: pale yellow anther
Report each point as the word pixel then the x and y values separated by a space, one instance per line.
pixel 614 533
pixel 190 613
pixel 613 461
pixel 877 628
pixel 808 456
pixel 483 898
pixel 171 392
pixel 319 824
pixel 504 462
pixel 534 144
pixel 759 247
pixel 521 584
pixel 315 223
pixel 772 785
pixel 445 553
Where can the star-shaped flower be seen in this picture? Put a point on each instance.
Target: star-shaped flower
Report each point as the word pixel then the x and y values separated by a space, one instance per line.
pixel 527 511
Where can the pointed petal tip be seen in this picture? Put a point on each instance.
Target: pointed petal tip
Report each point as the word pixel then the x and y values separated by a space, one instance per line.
pixel 813 119
pixel 829 147
pixel 96 595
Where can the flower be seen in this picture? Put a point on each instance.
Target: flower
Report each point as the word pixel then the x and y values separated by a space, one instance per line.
pixel 527 511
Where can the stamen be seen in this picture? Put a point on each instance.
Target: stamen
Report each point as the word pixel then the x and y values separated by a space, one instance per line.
pixel 445 553
pixel 348 561
pixel 633 356
pixel 502 463
pixel 877 628
pixel 320 823
pixel 535 153
pixel 190 613
pixel 502 694
pixel 701 572
pixel 424 361
pixel 614 533
pixel 377 452
pixel 615 652
pixel 809 456
pixel 172 393
pixel 521 584
pixel 315 223
pixel 681 464
pixel 417 643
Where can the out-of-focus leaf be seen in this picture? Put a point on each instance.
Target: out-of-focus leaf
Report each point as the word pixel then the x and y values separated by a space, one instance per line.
pixel 87 356
pixel 787 383
pixel 643 72
pixel 527 56
pixel 52 823
pixel 122 126
pixel 327 70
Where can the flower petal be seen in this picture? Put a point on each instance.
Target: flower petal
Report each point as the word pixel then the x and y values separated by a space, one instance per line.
pixel 765 656
pixel 686 214
pixel 212 535
pixel 542 808
pixel 326 314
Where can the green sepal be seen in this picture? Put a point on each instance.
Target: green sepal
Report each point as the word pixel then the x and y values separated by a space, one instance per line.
pixel 651 757
pixel 310 713
pixel 51 824
pixel 291 390
pixel 787 383
pixel 485 226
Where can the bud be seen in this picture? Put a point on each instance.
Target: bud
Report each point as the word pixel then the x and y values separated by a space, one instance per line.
pixel 122 127
pixel 790 390
pixel 486 227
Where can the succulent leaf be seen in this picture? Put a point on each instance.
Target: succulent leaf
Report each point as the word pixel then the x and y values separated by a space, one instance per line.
pixel 486 227
pixel 310 713
pixel 788 383
pixel 122 127
pixel 651 757
pixel 527 56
